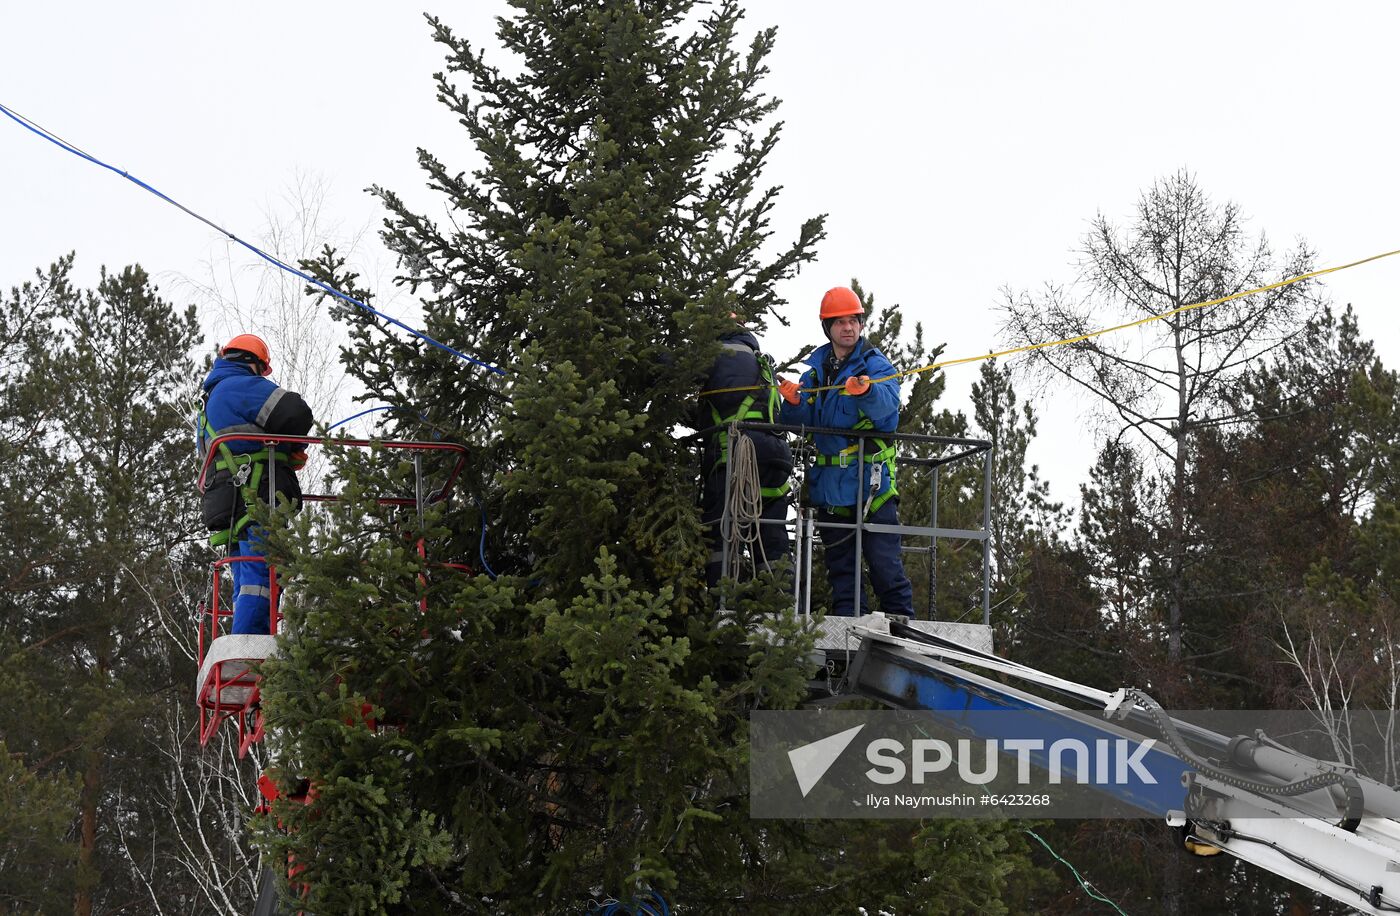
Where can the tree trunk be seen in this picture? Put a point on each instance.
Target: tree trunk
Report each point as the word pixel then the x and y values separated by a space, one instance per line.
pixel 1176 537
pixel 87 841
pixel 1176 548
pixel 87 806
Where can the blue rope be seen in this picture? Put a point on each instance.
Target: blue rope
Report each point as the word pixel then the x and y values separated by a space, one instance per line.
pixel 364 413
pixel 62 144
pixel 481 549
pixel 651 904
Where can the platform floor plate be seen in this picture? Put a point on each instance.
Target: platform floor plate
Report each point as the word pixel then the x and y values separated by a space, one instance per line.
pixel 836 632
pixel 235 652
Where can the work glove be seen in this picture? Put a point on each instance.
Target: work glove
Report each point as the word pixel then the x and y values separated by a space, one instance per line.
pixel 789 390
pixel 297 460
pixel 858 384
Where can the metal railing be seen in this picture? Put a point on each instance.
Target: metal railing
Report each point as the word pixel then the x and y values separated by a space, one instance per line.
pixel 269 442
pixel 214 615
pixel 805 526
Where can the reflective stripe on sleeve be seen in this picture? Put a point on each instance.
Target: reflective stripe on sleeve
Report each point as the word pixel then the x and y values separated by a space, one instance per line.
pixel 269 405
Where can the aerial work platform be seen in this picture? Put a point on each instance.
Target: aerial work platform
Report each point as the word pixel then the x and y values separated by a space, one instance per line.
pixel 930 460
pixel 227 686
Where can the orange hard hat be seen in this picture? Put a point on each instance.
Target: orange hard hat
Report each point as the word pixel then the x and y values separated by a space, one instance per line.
pixel 250 343
pixel 839 302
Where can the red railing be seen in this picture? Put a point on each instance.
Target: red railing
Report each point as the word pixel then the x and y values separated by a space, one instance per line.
pixel 211 455
pixel 234 693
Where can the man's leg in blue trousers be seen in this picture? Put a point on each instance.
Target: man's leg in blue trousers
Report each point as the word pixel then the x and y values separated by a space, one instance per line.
pixel 252 594
pixel 774 537
pixel 839 549
pixel 884 557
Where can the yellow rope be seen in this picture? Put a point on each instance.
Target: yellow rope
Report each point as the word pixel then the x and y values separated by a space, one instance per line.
pixel 1099 333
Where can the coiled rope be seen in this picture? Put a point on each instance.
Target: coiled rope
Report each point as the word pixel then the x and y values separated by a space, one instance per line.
pixel 744 508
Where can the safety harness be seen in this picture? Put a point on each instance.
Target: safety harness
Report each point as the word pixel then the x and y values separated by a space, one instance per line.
pixel 881 462
pixel 246 470
pixel 750 408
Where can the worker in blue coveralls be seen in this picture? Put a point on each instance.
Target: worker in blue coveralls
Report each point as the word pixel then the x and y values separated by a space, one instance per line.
pixel 743 366
pixel 239 398
pixel 846 365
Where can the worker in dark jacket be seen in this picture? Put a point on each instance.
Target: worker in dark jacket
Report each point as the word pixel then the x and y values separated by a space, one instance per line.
pixel 839 489
pixel 742 365
pixel 240 399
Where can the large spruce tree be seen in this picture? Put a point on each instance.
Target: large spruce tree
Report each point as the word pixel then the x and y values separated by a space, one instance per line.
pixel 574 728
pixel 569 720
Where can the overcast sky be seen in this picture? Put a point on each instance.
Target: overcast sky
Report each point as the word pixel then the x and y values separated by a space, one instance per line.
pixel 959 148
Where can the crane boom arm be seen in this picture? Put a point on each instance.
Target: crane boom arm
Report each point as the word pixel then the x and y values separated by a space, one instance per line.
pixel 1310 822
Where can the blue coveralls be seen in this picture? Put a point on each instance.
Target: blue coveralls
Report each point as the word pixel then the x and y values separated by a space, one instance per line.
pixel 238 400
pixel 837 487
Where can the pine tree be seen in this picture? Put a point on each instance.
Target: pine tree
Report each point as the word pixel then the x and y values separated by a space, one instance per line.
pixel 618 220
pixel 1021 505
pixel 1301 500
pixel 1283 503
pixel 36 860
pixel 35 809
pixel 95 496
